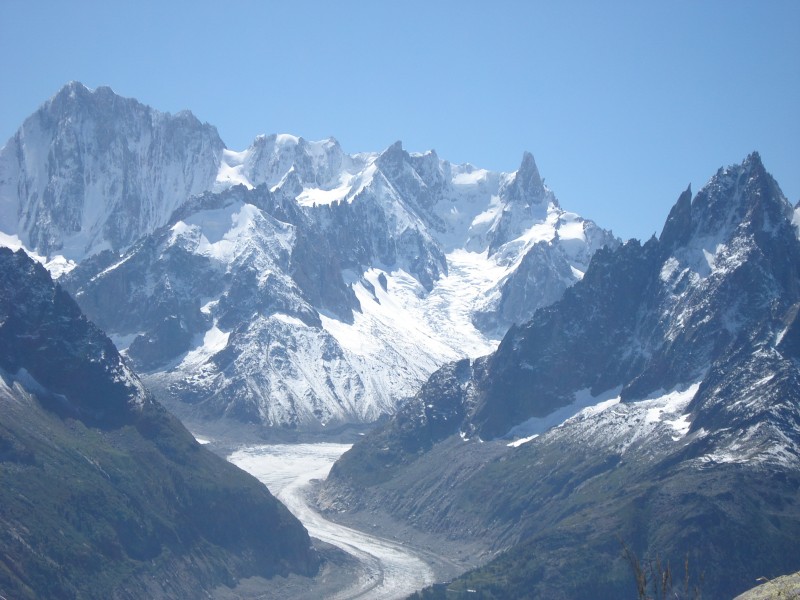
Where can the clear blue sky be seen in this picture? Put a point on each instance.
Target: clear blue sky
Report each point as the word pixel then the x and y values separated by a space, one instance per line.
pixel 622 103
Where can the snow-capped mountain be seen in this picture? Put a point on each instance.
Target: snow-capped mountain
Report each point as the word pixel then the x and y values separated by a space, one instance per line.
pixel 288 312
pixel 657 398
pixel 720 280
pixel 91 170
pixel 289 283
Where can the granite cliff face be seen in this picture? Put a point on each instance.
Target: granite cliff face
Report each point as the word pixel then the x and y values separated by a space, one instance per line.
pixel 105 494
pixel 91 170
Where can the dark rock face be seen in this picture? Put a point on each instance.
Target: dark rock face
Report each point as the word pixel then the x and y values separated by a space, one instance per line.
pixel 105 494
pixel 696 333
pixel 45 336
pixel 577 344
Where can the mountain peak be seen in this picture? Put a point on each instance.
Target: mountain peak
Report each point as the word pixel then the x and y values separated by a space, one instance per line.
pixel 527 186
pixel 105 90
pixel 73 203
pixel 287 139
pixel 739 196
pixel 72 88
pixel 67 97
pixel 678 224
pixel 527 160
pixel 753 160
pixel 396 148
pixel 393 157
pixel 528 176
pixel 77 91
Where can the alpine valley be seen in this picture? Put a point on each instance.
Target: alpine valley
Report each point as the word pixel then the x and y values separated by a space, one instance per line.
pixel 543 399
